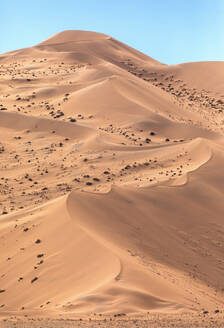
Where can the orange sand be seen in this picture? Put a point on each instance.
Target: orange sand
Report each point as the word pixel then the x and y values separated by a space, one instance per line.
pixel 112 189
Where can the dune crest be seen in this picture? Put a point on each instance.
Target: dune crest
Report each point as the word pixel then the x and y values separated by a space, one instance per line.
pixel 111 190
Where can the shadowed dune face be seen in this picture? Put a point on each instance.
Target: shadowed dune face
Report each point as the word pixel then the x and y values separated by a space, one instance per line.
pixel 111 186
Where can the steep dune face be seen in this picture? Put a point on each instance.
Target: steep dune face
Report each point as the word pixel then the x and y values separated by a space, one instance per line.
pixel 184 241
pixel 51 259
pixel 111 190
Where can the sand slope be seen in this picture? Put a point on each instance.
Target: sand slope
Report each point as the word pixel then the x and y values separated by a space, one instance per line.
pixel 111 190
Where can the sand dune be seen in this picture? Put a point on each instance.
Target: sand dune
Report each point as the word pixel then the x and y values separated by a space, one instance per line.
pixel 111 191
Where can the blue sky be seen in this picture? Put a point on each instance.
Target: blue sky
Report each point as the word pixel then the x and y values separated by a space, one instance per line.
pixel 171 31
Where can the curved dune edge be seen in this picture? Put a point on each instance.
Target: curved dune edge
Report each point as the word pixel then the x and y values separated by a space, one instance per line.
pixel 205 154
pixel 115 230
pixel 82 274
pixel 146 142
pixel 99 258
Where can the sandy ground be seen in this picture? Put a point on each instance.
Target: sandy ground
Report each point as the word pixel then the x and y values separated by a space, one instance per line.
pixel 158 319
pixel 185 320
pixel 111 187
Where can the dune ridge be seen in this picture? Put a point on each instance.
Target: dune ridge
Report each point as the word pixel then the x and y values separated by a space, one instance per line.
pixel 111 186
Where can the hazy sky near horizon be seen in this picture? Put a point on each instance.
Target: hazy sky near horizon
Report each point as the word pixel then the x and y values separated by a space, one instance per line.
pixel 171 31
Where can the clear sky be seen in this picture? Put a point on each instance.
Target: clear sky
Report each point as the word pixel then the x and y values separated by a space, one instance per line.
pixel 171 31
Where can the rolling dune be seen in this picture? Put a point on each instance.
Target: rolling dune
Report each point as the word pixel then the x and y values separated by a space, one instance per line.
pixel 111 185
